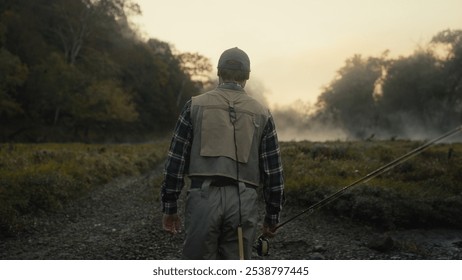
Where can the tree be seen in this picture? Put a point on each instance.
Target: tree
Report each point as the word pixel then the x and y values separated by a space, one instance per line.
pixel 75 21
pixel 22 26
pixel 14 74
pixel 104 102
pixel 452 67
pixel 349 100
pixel 80 63
pixel 414 93
pixel 197 68
pixel 147 70
pixel 51 88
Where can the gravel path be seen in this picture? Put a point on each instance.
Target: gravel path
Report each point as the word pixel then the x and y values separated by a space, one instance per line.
pixel 121 220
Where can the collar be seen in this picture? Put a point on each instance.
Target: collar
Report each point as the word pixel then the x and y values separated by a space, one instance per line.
pixel 231 85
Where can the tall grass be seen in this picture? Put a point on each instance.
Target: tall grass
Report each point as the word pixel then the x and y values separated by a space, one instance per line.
pixel 425 191
pixel 43 177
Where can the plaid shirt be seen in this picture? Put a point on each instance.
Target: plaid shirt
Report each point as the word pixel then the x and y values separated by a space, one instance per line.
pixel 176 167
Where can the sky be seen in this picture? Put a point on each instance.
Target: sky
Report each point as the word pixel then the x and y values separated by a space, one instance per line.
pixel 296 47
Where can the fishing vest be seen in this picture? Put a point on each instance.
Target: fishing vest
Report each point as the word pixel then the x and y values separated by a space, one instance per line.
pixel 213 150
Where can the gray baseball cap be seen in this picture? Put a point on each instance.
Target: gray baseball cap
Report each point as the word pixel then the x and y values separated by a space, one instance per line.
pixel 234 59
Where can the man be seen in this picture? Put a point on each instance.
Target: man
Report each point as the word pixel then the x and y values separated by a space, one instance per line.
pixel 226 142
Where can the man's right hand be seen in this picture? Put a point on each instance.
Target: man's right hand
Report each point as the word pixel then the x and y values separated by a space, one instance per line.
pixel 171 223
pixel 269 231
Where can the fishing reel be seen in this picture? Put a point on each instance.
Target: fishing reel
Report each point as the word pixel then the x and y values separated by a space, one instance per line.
pixel 262 246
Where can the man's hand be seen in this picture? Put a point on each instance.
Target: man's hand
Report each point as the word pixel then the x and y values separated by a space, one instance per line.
pixel 171 223
pixel 269 231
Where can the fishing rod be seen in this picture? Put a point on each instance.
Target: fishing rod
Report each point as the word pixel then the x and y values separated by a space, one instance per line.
pixel 262 245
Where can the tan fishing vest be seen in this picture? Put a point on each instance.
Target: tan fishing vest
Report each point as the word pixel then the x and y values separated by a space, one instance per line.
pixel 213 148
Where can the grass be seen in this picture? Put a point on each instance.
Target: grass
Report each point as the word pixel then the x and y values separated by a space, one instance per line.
pixel 424 191
pixel 36 178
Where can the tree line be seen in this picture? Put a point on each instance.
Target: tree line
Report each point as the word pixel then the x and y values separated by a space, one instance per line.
pixel 413 97
pixel 73 70
pixel 76 70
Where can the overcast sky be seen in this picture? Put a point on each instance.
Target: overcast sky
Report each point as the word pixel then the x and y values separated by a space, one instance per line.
pixel 296 46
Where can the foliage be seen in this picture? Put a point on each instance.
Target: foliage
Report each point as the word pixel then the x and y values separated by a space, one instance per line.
pixel 79 65
pixel 14 74
pixel 105 101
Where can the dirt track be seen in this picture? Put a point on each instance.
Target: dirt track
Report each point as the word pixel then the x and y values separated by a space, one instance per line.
pixel 121 220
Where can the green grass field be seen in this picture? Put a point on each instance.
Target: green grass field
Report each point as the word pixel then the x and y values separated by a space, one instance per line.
pixel 424 191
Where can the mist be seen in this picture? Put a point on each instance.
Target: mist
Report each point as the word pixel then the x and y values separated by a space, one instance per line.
pixel 296 121
pixel 302 121
pixel 418 97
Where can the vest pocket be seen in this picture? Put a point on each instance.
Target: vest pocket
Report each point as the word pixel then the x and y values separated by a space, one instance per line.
pixel 217 135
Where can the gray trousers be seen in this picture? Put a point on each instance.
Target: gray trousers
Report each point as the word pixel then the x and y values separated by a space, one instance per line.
pixel 212 218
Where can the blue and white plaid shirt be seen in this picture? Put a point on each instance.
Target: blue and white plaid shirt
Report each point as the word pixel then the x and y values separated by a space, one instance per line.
pixel 177 162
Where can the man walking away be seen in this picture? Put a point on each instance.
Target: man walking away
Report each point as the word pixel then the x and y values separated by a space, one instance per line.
pixel 226 143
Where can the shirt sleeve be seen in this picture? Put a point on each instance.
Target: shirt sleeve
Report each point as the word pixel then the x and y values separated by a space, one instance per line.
pixel 272 173
pixel 177 161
